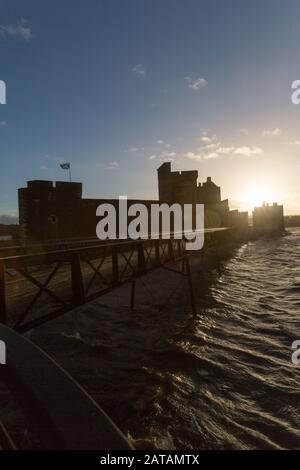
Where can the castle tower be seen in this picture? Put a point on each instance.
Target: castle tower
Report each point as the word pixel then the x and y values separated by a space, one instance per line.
pixel 175 186
pixel 48 211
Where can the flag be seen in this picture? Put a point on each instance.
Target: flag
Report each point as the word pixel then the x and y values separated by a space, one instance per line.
pixel 65 166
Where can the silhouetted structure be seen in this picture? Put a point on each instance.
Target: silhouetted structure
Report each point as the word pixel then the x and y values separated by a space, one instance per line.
pixel 49 211
pixel 268 219
pixel 292 220
pixel 182 187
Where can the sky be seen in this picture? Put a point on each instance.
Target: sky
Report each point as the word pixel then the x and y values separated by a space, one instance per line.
pixel 116 87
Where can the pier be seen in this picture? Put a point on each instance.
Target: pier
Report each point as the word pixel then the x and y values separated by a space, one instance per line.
pixel 37 287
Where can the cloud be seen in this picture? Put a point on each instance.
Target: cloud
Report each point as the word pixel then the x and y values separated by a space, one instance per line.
pixel 162 142
pixel 225 150
pixel 135 149
pixel 20 31
pixel 213 148
pixel 193 156
pixel 295 142
pixel 248 151
pixel 113 166
pixel 44 168
pixel 201 156
pixel 196 84
pixel 2 123
pixel 163 157
pixel 206 139
pixel 271 132
pixel 8 219
pixel 170 154
pixel 210 156
pixel 139 71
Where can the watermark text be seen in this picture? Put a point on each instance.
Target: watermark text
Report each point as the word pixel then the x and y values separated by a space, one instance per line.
pixel 139 221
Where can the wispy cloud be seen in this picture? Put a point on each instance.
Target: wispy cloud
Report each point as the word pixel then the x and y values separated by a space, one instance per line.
pixel 112 166
pixel 163 157
pixel 214 148
pixel 201 155
pixel 211 148
pixel 163 143
pixel 271 132
pixel 135 150
pixel 196 84
pixel 139 71
pixel 206 139
pixel 295 142
pixel 225 150
pixel 211 156
pixel 248 151
pixel 193 156
pixel 20 30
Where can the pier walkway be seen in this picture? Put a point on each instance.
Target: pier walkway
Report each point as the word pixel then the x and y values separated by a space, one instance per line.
pixel 40 285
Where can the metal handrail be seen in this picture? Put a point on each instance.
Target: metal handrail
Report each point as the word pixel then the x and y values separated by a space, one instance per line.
pixel 106 245
pixel 62 411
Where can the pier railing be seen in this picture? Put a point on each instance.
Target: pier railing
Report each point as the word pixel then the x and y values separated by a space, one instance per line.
pixel 35 288
pixel 14 249
pixel 52 405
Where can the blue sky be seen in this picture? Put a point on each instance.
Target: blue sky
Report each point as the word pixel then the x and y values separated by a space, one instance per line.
pixel 116 87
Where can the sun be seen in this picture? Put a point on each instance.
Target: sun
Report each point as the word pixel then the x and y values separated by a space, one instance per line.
pixel 256 195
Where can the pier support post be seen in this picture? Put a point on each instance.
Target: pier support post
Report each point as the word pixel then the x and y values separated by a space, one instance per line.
pixel 157 254
pixel 115 265
pixel 170 250
pixel 179 248
pixel 77 281
pixel 141 259
pixel 183 255
pixel 132 295
pixel 190 283
pixel 2 293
